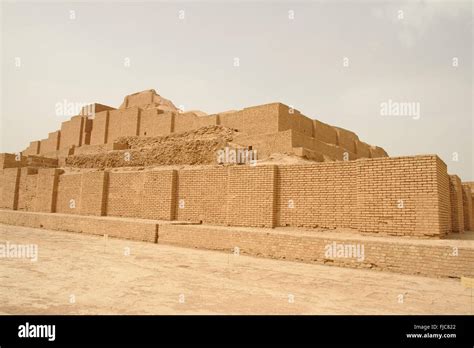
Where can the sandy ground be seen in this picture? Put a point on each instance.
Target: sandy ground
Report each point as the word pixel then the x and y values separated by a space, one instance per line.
pixel 81 274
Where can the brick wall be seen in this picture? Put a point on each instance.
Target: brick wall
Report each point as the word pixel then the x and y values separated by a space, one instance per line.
pixel 393 196
pixel 399 196
pixel 324 132
pixel 11 182
pixel 123 122
pixel 376 151
pixel 50 144
pixel 403 196
pixel 139 99
pixel 125 194
pixel 260 119
pixel 184 122
pixel 94 108
pixel 253 120
pixel 33 148
pixel 201 195
pixel 69 194
pixel 328 151
pixel 266 144
pixel 289 118
pixel 158 195
pixel 41 162
pixel 231 119
pixel 94 193
pixel 27 189
pixel 204 121
pixel 46 190
pixel 434 258
pixel 317 196
pixel 10 160
pixel 362 149
pixel 472 211
pixel 251 196
pixel 141 230
pixel 418 257
pixel 346 139
pixel 72 132
pixel 87 131
pixel 457 213
pixel 444 197
pixel 467 208
pixel 100 125
pixel 154 122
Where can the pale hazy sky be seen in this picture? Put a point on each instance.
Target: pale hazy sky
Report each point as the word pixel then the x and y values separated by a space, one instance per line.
pixel 295 61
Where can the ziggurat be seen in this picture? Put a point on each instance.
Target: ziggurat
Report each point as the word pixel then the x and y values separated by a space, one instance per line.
pixel 148 171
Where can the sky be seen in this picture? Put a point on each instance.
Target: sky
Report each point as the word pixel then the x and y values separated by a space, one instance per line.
pixel 342 62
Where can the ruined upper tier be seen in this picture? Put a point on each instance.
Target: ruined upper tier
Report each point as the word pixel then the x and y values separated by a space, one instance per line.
pixel 267 128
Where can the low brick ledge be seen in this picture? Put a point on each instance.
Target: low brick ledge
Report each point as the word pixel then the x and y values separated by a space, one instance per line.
pixel 452 258
pixel 118 227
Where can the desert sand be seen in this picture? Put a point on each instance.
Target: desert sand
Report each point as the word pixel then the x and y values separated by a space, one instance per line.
pixel 83 274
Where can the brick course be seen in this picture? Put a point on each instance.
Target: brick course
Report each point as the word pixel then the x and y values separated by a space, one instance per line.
pixel 457 212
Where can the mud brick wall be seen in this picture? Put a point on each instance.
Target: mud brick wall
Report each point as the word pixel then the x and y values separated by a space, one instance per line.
pixel 123 122
pixel 41 162
pixel 159 194
pixel 231 119
pixel 94 108
pixel 472 211
pixel 138 99
pixel 11 182
pixel 261 119
pixel 69 194
pixel 87 130
pixel 457 211
pixel 251 196
pixel 72 132
pixel 376 151
pixel 324 132
pixel 141 230
pixel 94 193
pixel 404 196
pixel 100 126
pixel 11 160
pixel 329 151
pixel 204 121
pixel 188 121
pixel 184 122
pixel 27 189
pixel 346 139
pixel 444 196
pixel 154 122
pixel 467 208
pixel 407 256
pixel 362 149
pixel 201 195
pixel 292 119
pixel 50 144
pixel 399 196
pixel 125 194
pixel 316 196
pixel 266 144
pixel 470 184
pixel 33 148
pixel 46 190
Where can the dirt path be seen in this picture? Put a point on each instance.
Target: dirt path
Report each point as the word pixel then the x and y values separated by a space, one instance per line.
pixel 160 279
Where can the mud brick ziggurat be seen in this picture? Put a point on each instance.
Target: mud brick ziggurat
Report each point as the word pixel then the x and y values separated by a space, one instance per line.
pixel 147 171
